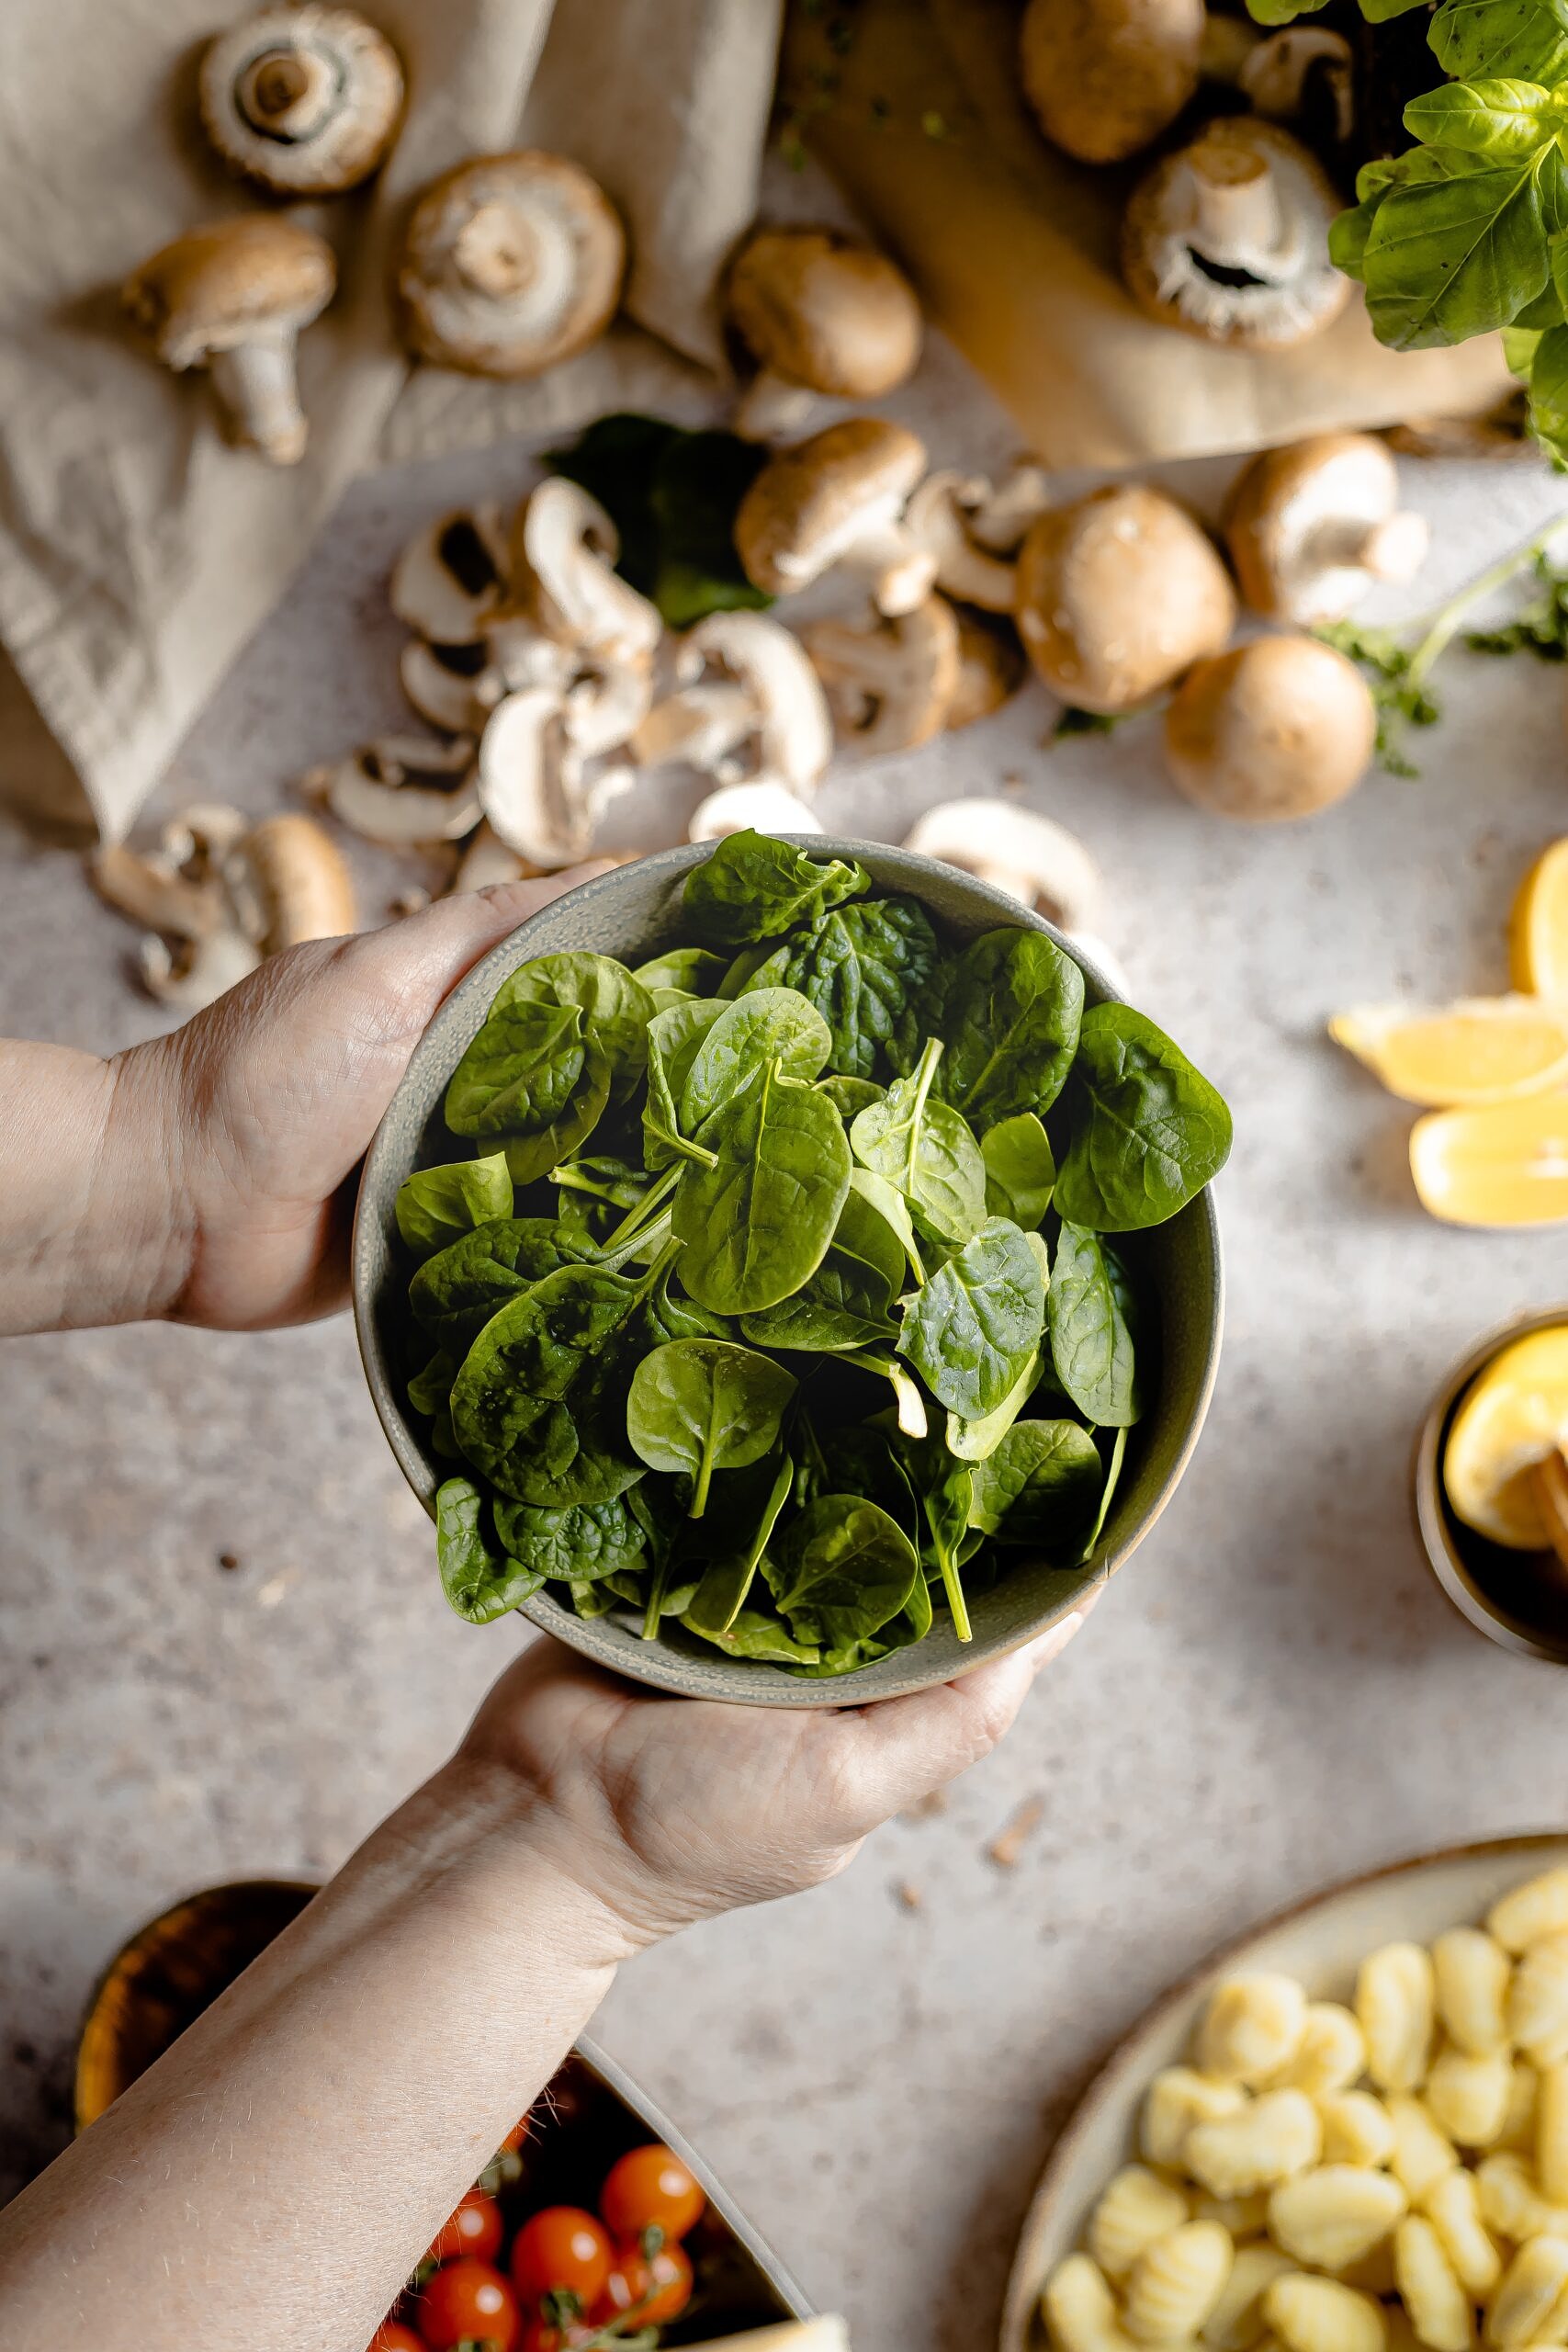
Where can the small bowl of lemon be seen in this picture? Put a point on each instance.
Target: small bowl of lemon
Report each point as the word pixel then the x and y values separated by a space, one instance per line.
pixel 1491 1485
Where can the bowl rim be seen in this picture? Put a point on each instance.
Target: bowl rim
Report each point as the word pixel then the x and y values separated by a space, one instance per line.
pixel 739 1680
pixel 1445 1553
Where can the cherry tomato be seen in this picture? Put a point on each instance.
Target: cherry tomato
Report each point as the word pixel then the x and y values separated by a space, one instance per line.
pixel 654 2288
pixel 393 2337
pixel 562 2248
pixel 542 2335
pixel 475 2228
pixel 467 2301
pixel 514 2139
pixel 650 2188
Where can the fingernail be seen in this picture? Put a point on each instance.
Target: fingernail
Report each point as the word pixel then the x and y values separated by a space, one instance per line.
pixel 1053 1644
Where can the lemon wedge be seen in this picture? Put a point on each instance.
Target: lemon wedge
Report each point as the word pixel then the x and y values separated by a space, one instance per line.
pixel 1513 1416
pixel 1548 1484
pixel 1504 1164
pixel 1483 1049
pixel 1538 928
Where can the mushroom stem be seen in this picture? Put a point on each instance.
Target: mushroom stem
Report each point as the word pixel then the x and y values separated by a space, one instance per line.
pixel 1394 549
pixel 256 383
pixel 1235 209
pixel 287 93
pixel 772 408
pixel 495 252
pixel 898 570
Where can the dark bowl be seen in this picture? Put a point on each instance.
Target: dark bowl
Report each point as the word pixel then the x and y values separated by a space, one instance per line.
pixel 631 913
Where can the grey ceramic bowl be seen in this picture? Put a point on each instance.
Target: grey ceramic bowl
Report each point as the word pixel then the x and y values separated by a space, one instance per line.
pixel 632 913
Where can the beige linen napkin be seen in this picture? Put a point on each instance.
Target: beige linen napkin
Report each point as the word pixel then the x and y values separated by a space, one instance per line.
pixel 1013 248
pixel 137 552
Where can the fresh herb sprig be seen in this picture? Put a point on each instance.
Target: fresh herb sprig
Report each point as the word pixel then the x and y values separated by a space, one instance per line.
pixel 829 1324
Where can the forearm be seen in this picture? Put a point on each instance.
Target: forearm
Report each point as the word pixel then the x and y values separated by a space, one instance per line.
pixel 275 2178
pixel 90 1224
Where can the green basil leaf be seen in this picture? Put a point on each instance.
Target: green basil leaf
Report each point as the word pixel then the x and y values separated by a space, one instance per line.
pixel 765 1025
pixel 454 1295
pixel 435 1205
pixel 841 1571
pixel 1148 1130
pixel 1039 1486
pixel 753 888
pixel 1093 1347
pixel 1453 258
pixel 1503 119
pixel 576 1544
pixel 1527 38
pixel 1012 1003
pixel 1549 392
pixel 1020 1169
pixel 478 1579
pixel 971 1329
pixel 698 1405
pixel 759 1222
pixel 864 968
pixel 924 1149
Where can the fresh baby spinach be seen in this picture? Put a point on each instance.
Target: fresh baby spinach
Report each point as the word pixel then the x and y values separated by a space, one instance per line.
pixel 720 1207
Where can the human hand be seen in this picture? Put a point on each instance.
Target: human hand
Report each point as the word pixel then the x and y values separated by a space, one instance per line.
pixel 261 1108
pixel 667 1811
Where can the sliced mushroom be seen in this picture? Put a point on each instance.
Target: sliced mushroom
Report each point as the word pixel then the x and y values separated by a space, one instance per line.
pixel 1003 516
pixel 938 517
pixel 837 499
pixel 154 891
pixel 702 726
pixel 991 669
pixel 760 806
pixel 450 579
pixel 601 710
pixel 288 881
pixel 233 297
pixel 889 686
pixel 1281 74
pixel 1117 594
pixel 1105 77
pixel 451 685
pixel 305 99
pixel 511 264
pixel 1228 238
pixel 530 781
pixel 1014 849
pixel 792 724
pixel 487 861
pixel 563 556
pixel 196 975
pixel 819 312
pixel 1312 527
pixel 372 794
pixel 1274 729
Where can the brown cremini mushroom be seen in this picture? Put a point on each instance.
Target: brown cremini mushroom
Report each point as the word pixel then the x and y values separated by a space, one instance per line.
pixel 1105 77
pixel 511 264
pixel 837 499
pixel 1228 238
pixel 991 669
pixel 1311 528
pixel 305 100
pixel 233 297
pixel 819 312
pixel 1117 594
pixel 1277 728
pixel 889 687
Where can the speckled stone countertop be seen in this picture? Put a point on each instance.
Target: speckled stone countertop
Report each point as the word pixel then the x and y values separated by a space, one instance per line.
pixel 223 1650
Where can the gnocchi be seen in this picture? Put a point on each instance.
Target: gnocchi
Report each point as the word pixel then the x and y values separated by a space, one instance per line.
pixel 1396 2003
pixel 1524 2310
pixel 1176 2282
pixel 1527 1913
pixel 1453 2208
pixel 1272 2137
pixel 1235 2324
pixel 1176 2101
pixel 1310 2315
pixel 1551 2133
pixel 1357 2128
pixel 1469 2096
pixel 1252 2029
pixel 1439 2310
pixel 1537 2001
pixel 1136 2208
pixel 1471 1972
pixel 1333 2215
pixel 1331 2053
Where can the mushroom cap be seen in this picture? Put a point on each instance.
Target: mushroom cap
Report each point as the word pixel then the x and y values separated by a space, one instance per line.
pixel 303 100
pixel 1311 526
pixel 1019 850
pixel 1228 238
pixel 231 282
pixel 761 805
pixel 808 503
pixel 826 311
pixel 511 264
pixel 990 668
pixel 1105 77
pixel 1118 593
pixel 1276 729
pixel 889 687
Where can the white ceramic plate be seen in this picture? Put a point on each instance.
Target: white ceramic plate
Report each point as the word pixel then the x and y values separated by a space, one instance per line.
pixel 1321 1940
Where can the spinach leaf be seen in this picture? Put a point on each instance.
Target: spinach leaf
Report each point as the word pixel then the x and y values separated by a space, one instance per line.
pixel 674 1037
pixel 1020 1169
pixel 430 1389
pixel 848 1302
pixel 1093 1346
pixel 673 496
pixel 754 888
pixel 616 1007
pixel 759 1222
pixel 478 1579
pixel 454 1294
pixel 862 966
pixel 849 1095
pixel 1148 1130
pixel 578 1543
pixel 539 1403
pixel 910 1404
pixel 971 1330
pixel 1011 1007
pixel 435 1205
pixel 743 969
pixel 695 971
pixel 601 1177
pixel 894 1210
pixel 923 1148
pixel 698 1405
pixel 523 1071
pixel 726 1581
pixel 864 1459
pixel 971 1441
pixel 841 1571
pixel 754 1634
pixel 765 1025
pixel 943 1491
pixel 1039 1487
pixel 1112 1480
